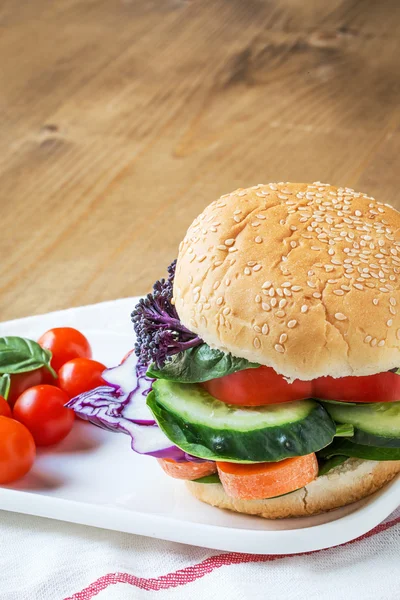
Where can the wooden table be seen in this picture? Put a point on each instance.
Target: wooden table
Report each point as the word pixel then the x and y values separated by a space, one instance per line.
pixel 121 119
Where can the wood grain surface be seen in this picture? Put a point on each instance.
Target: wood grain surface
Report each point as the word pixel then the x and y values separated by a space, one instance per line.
pixel 121 120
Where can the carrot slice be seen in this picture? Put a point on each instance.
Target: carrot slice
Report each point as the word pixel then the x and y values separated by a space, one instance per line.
pixel 266 480
pixel 187 469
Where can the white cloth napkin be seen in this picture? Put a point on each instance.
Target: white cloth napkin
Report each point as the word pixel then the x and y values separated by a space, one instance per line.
pixel 41 559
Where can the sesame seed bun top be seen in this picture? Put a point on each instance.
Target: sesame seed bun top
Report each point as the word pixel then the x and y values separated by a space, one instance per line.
pixel 302 278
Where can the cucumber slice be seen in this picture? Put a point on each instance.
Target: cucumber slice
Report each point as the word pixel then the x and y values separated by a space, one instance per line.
pixel 376 424
pixel 208 428
pixel 342 447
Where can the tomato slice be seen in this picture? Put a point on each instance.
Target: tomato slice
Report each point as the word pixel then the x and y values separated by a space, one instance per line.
pixel 382 387
pixel 255 387
pixel 267 480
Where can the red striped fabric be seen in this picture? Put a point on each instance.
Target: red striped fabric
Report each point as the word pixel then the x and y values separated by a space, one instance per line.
pixel 189 574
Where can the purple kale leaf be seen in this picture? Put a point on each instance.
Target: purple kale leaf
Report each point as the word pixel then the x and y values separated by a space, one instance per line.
pixel 159 331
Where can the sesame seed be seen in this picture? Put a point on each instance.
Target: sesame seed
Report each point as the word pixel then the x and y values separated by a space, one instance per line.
pixel 229 242
pixel 282 303
pixel 317 295
pixel 389 323
pixel 375 301
pixel 265 306
pixel 271 292
pixel 374 342
pixel 256 342
pixel 279 348
pixel 266 285
pixel 338 292
pixel 296 288
pixel 274 302
pixel 292 323
pixel 258 298
pixel 265 329
pixel 247 271
pixel 283 338
pixel 201 258
pixel 221 247
pixel 304 308
pixel 358 286
pixel 258 240
pixel 340 316
pixel 367 339
pixel 392 301
pixel 220 300
pixel 280 313
pixel 257 328
pixel 257 267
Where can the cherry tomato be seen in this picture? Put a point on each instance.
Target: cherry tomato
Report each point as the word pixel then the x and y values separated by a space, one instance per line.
pixel 65 343
pixel 41 409
pixel 382 387
pixel 5 410
pixel 22 381
pixel 80 375
pixel 17 450
pixel 255 387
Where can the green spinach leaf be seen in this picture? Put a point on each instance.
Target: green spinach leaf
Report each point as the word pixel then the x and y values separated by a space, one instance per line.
pixel 198 364
pixel 19 355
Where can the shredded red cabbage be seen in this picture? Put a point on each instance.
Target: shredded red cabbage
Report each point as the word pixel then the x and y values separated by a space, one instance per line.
pixel 121 407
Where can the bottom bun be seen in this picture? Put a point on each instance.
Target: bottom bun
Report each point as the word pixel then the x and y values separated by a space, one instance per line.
pixel 353 480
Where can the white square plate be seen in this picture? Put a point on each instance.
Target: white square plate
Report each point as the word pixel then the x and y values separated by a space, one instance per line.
pixel 94 478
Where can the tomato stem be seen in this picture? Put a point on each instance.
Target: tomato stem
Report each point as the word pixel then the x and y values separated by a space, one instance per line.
pixel 52 371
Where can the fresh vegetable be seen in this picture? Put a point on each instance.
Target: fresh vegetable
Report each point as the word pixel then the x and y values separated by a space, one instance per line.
pixel 5 382
pixel 41 409
pixel 187 470
pixel 5 410
pixel 375 424
pixel 17 450
pixel 80 375
pixel 347 448
pixel 327 465
pixel 267 480
pixel 382 387
pixel 20 355
pixel 122 408
pixel 210 429
pixel 208 479
pixel 256 387
pixel 344 430
pixel 202 363
pixel 65 343
pixel 22 381
pixel 159 332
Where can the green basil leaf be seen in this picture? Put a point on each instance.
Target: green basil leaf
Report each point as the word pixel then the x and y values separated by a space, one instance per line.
pixel 344 430
pixel 19 355
pixel 350 449
pixel 208 479
pixel 327 465
pixel 5 382
pixel 198 364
